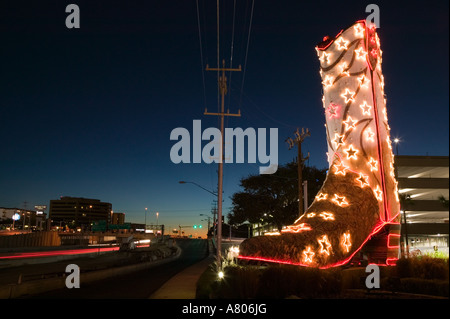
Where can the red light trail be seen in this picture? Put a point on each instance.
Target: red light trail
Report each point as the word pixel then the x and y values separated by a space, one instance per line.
pixel 37 254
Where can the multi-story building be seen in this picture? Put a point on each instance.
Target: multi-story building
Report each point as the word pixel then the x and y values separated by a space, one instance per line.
pixel 79 211
pixel 118 218
pixel 423 183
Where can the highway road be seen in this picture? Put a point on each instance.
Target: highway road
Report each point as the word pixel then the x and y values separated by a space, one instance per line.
pixel 137 285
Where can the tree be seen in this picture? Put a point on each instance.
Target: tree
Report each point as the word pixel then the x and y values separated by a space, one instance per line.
pixel 273 198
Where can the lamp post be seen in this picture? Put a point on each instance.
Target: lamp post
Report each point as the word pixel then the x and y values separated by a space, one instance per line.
pixel 402 201
pixel 185 182
pixel 157 215
pixel 145 214
pixel 396 141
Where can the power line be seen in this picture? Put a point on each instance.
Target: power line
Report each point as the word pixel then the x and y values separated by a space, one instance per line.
pixel 246 51
pixel 218 59
pixel 201 54
pixel 262 112
pixel 232 48
pixel 206 38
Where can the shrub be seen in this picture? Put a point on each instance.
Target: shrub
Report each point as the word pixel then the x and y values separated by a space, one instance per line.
pixel 284 281
pixel 403 268
pixel 424 267
pixel 239 282
pixel 425 286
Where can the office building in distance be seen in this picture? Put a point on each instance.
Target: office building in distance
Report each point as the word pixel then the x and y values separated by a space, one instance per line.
pixel 79 211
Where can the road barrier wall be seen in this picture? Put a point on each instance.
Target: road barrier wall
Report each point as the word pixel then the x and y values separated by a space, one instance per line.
pixel 43 285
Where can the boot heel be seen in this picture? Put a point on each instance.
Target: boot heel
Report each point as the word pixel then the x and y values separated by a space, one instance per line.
pixel 384 247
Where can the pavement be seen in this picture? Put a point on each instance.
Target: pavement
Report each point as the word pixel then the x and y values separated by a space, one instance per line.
pixel 184 284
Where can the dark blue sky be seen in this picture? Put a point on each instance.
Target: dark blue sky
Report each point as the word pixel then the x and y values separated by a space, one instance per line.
pixel 89 112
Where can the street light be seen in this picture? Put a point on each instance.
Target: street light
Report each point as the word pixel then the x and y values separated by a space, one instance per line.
pixel 185 182
pixel 396 141
pixel 402 202
pixel 157 214
pixel 145 214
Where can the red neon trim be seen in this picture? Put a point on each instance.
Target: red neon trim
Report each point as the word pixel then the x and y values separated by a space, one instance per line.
pixel 389 239
pixel 391 261
pixel 331 41
pixel 366 43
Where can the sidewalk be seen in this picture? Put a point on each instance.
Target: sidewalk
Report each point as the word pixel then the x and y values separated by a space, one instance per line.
pixel 184 284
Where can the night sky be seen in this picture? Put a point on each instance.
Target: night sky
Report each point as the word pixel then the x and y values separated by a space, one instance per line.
pixel 88 112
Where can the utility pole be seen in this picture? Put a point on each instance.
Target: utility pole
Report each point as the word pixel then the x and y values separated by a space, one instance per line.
pixel 297 141
pixel 214 212
pixel 209 224
pixel 223 91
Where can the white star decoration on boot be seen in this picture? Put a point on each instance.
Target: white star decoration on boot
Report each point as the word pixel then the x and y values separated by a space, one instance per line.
pixel 351 152
pixel 359 30
pixel 342 44
pixel 346 242
pixel 340 200
pixel 308 255
pixel 349 123
pixel 363 180
pixel 348 96
pixel 361 54
pixel 324 245
pixel 365 108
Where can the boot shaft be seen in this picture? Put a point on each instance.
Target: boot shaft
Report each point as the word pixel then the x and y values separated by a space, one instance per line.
pixel 355 110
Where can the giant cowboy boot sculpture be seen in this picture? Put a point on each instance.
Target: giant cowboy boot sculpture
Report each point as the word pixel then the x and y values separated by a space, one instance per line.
pixel 357 209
